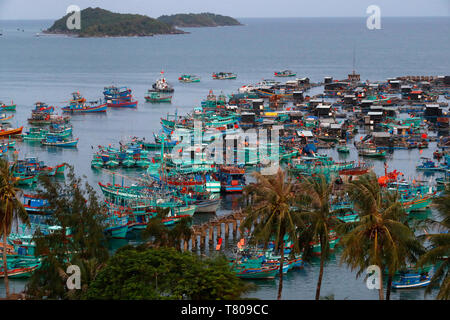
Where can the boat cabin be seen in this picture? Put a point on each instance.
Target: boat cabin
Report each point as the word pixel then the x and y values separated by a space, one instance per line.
pixel 373 117
pixel 416 95
pixel 323 111
pixel 297 96
pixel 327 80
pixel 432 112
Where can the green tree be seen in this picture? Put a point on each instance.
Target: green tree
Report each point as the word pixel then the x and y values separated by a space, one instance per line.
pixel 164 273
pixel 78 238
pixel 162 235
pixel 439 249
pixel 315 211
pixel 269 210
pixel 380 237
pixel 11 208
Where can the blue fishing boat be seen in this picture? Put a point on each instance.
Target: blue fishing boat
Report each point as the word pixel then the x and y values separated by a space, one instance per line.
pixel 411 280
pixel 232 178
pixel 33 204
pixel 57 141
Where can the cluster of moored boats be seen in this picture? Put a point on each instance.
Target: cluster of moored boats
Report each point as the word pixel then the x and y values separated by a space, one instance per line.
pixel 196 158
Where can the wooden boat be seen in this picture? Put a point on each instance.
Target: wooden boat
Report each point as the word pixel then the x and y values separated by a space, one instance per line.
pixel 429 165
pixel 161 85
pixel 11 107
pixel 285 73
pixel 83 108
pixel 371 152
pixel 224 76
pixel 20 272
pixel 188 78
pixel 157 97
pixel 342 147
pixel 33 204
pixel 59 142
pixel 118 103
pixel 9 132
pixel 5 118
pixel 231 178
pixel 411 281
pixel 78 105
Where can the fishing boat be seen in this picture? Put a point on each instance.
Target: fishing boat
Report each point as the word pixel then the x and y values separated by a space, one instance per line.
pixel 11 107
pixel 371 153
pixel 161 85
pixel 5 118
pixel 119 103
pixel 34 134
pixel 157 97
pixel 232 178
pixel 428 165
pixel 56 141
pixel 224 76
pixel 411 281
pixel 253 269
pixel 119 97
pixel 342 147
pixel 285 73
pixel 5 132
pixel 34 204
pixel 19 272
pixel 188 78
pixel 78 104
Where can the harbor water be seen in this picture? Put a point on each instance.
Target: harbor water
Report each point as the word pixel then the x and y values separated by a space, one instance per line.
pixel 49 68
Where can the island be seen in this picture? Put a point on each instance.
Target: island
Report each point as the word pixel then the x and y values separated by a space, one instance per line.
pixel 198 20
pixel 97 22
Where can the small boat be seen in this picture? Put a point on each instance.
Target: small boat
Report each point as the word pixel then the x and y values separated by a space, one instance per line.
pixel 78 105
pixel 161 85
pixel 411 280
pixel 428 165
pixel 5 118
pixel 285 73
pixel 157 97
pixel 371 152
pixel 342 147
pixel 5 132
pixel 224 76
pixel 20 272
pixel 33 204
pixel 56 141
pixel 119 103
pixel 188 78
pixel 11 107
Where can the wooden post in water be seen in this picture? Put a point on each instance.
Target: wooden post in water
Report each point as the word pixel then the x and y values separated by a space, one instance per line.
pixel 227 229
pixel 202 239
pixel 219 230
pixel 211 234
pixel 234 229
pixel 185 244
pixel 193 242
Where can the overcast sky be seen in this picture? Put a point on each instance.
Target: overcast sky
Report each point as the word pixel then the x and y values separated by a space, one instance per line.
pixel 53 9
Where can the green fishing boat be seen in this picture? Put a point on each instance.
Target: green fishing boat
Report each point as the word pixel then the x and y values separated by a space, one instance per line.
pixel 188 78
pixel 157 97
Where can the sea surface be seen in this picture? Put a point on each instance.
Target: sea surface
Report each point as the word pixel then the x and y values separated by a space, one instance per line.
pixel 49 68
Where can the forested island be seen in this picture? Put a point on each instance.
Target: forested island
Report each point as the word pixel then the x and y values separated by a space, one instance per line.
pixel 97 22
pixel 199 20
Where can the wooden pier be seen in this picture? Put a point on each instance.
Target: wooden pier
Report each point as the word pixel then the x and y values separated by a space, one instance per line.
pixel 210 232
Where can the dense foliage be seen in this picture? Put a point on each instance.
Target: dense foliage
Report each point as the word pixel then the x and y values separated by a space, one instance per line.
pixel 199 20
pixel 79 240
pixel 164 273
pixel 100 23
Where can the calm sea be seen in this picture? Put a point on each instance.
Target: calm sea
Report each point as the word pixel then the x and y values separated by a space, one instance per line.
pixel 48 68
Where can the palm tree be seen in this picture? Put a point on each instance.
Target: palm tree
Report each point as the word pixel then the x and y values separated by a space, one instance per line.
pixel 269 203
pixel 315 211
pixel 380 237
pixel 164 236
pixel 440 249
pixel 11 209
